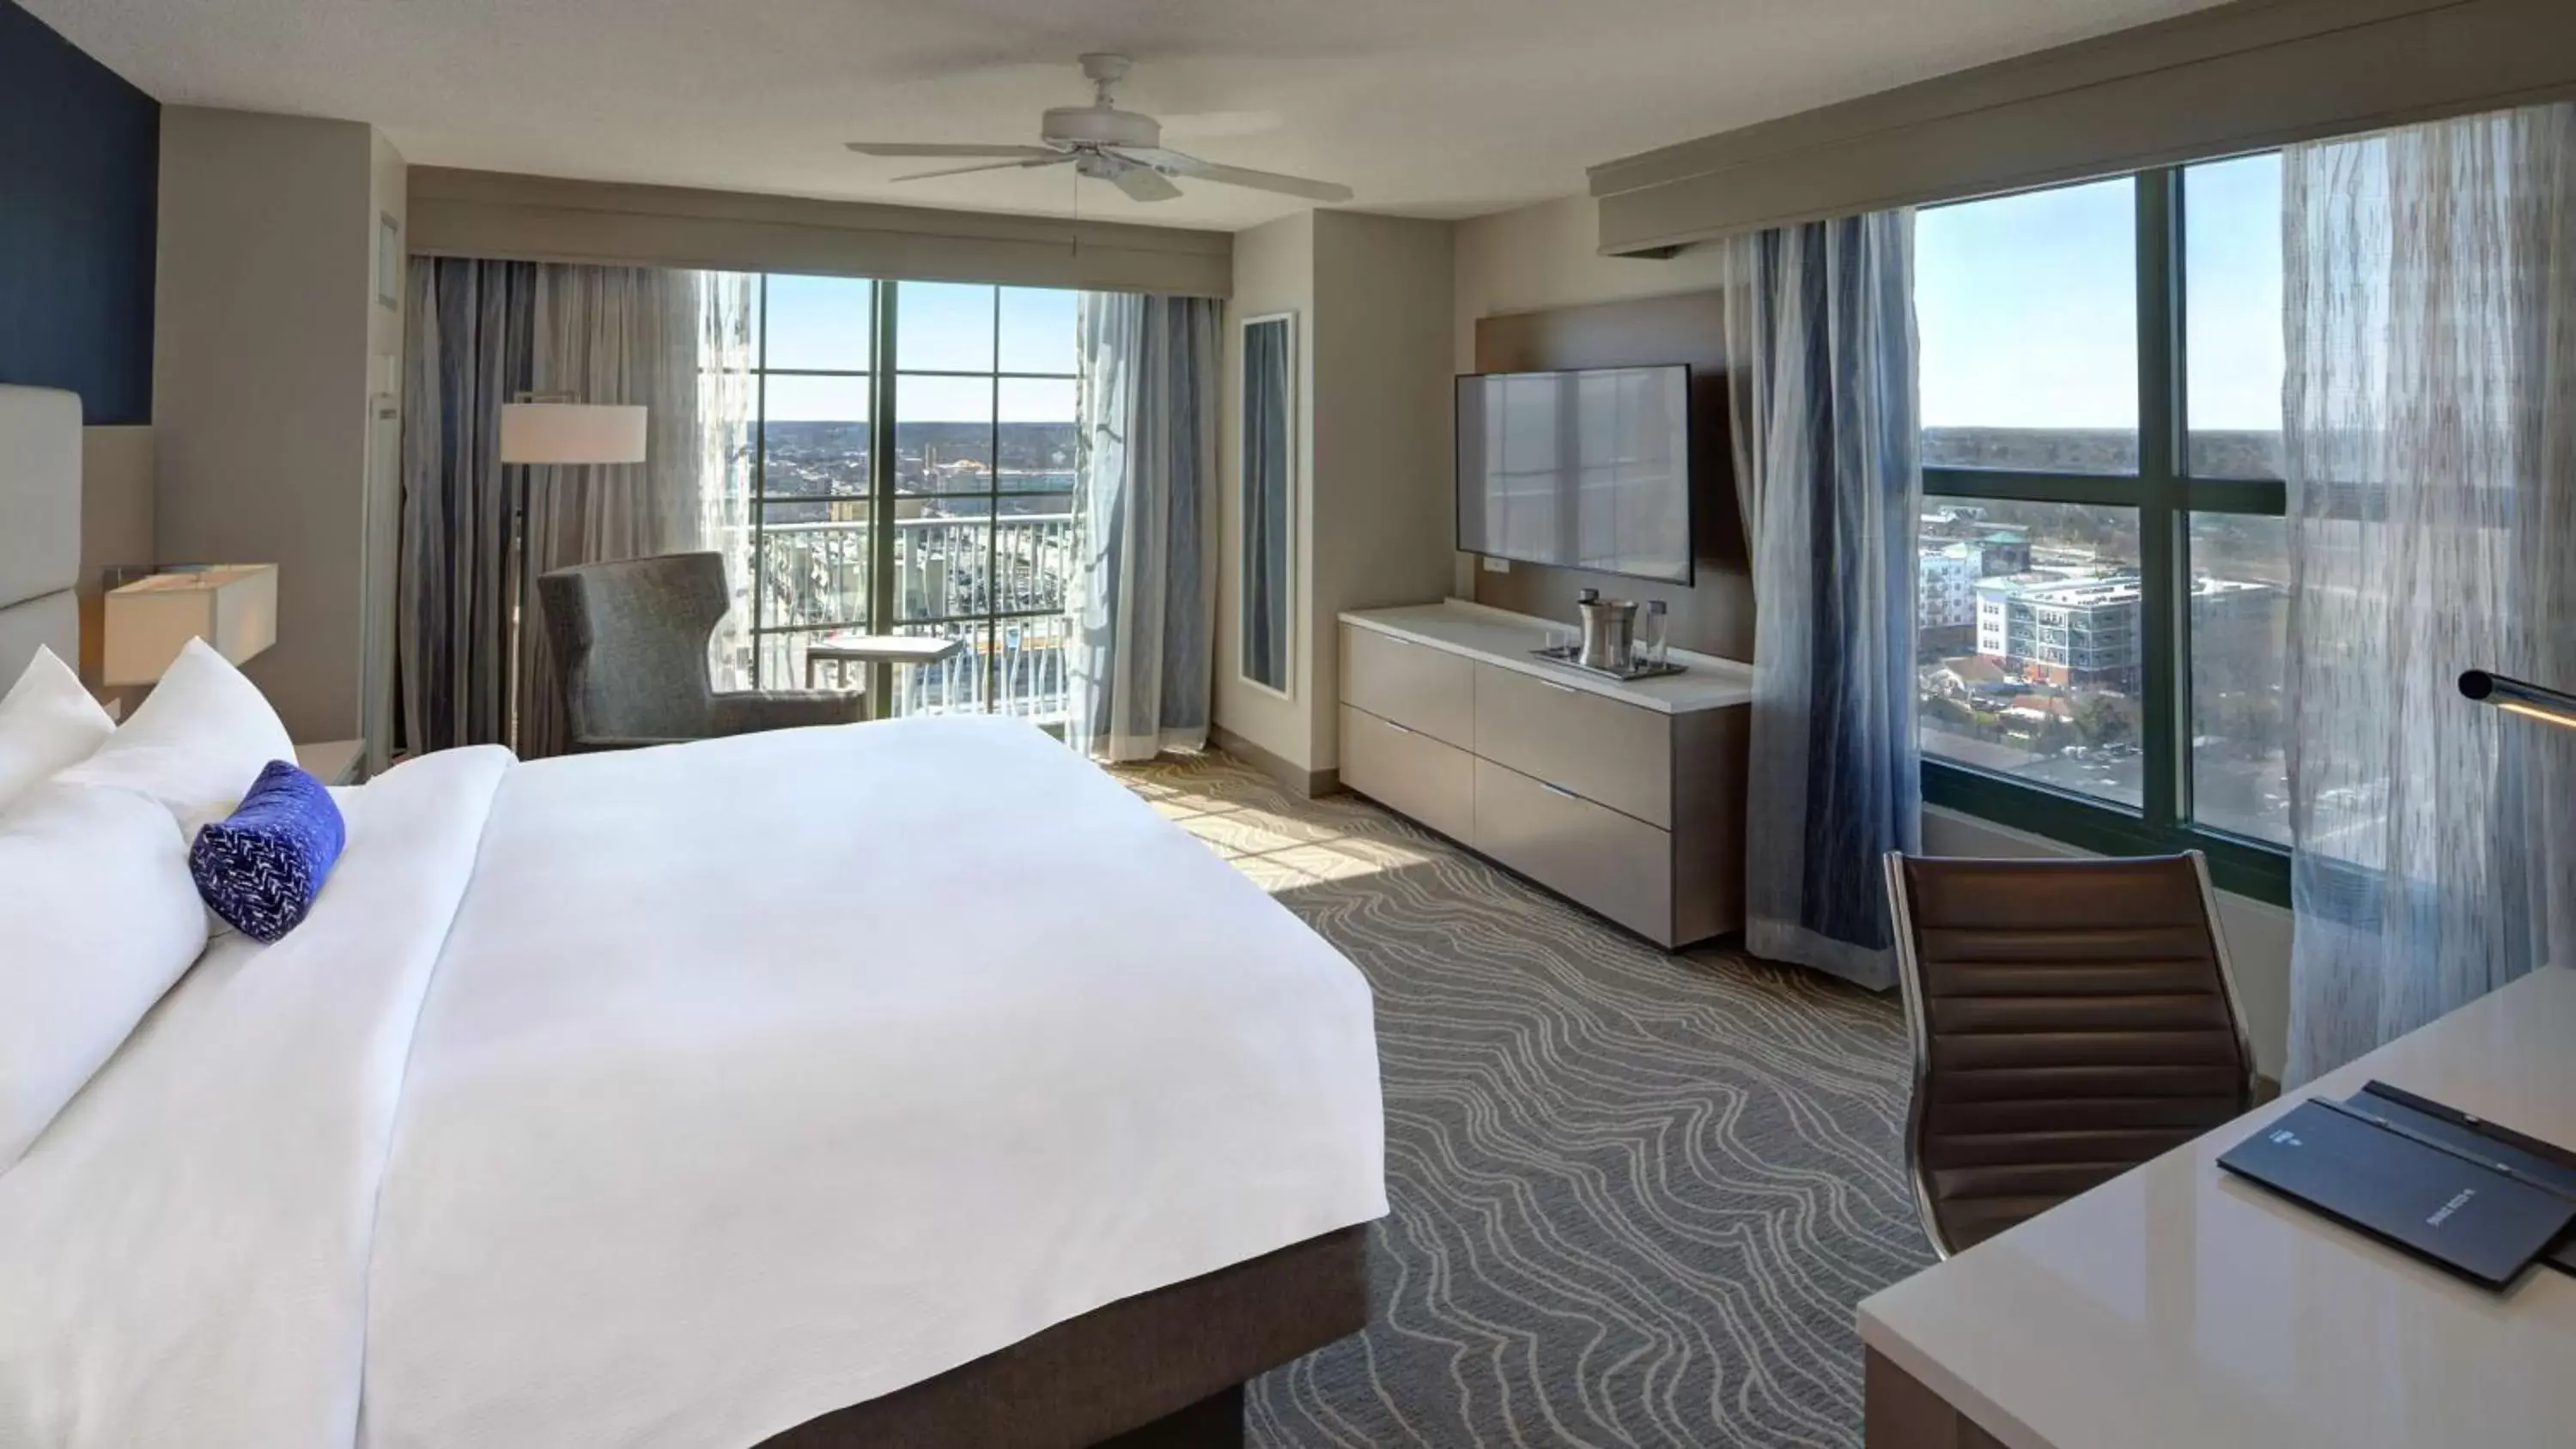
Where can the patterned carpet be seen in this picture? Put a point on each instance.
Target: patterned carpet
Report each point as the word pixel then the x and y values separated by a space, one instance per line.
pixel 1636 1196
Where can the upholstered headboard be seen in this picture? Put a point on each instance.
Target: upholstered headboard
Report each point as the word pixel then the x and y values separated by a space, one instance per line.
pixel 40 511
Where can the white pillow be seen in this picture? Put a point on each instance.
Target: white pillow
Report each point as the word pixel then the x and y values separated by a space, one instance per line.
pixel 47 721
pixel 98 916
pixel 196 743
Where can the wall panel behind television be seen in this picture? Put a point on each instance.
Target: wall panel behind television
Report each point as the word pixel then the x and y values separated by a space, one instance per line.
pixel 1714 614
pixel 79 182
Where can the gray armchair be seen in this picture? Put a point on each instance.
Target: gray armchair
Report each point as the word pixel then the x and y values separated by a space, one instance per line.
pixel 630 648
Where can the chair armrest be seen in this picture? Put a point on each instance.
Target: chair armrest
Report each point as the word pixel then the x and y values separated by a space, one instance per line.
pixel 748 711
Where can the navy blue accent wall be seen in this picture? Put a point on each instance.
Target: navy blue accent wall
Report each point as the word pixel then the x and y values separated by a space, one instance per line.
pixel 80 171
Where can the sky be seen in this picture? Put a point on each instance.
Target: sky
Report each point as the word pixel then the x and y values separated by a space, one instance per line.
pixel 823 322
pixel 2027 305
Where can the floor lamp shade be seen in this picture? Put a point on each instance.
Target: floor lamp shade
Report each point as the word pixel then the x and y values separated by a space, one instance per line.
pixel 551 432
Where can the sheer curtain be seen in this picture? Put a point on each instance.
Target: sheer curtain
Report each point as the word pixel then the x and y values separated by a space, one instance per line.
pixel 487 333
pixel 1820 324
pixel 1145 604
pixel 2430 440
pixel 728 412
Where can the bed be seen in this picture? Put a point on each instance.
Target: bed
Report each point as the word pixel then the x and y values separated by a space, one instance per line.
pixel 906 1083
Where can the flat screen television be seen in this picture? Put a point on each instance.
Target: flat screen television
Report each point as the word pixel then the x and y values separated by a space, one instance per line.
pixel 1587 469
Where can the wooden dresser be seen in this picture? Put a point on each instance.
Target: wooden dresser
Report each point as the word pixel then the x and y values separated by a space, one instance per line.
pixel 1626 798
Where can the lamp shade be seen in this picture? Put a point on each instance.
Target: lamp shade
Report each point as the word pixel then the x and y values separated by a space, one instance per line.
pixel 231 606
pixel 547 432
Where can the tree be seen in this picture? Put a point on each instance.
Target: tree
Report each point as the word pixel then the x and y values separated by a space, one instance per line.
pixel 2104 718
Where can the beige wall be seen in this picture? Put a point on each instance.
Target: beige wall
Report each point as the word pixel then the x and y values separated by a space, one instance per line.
pixel 389 195
pixel 1544 256
pixel 1274 271
pixel 265 320
pixel 1383 523
pixel 1372 524
pixel 116 519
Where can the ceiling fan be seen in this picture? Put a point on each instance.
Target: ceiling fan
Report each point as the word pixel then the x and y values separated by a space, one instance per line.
pixel 1107 144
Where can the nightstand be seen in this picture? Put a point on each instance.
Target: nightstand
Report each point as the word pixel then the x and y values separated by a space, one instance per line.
pixel 333 762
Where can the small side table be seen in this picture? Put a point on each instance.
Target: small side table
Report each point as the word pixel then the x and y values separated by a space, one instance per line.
pixel 333 762
pixel 886 649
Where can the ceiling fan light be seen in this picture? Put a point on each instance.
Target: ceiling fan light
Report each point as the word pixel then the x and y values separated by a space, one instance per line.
pixel 1098 126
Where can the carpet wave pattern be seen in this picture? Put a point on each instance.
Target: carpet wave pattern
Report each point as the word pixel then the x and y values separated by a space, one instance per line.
pixel 1635 1195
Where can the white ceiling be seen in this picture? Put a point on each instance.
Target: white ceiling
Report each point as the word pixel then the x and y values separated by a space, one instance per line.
pixel 1426 107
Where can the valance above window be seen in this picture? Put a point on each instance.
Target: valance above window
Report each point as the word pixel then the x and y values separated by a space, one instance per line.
pixel 2219 82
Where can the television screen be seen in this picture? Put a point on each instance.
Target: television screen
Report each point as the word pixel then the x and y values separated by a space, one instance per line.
pixel 1587 469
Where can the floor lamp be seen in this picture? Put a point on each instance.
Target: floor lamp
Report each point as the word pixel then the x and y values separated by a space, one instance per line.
pixel 542 432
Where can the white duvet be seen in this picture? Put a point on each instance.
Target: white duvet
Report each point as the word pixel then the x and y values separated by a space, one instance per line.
pixel 677 1097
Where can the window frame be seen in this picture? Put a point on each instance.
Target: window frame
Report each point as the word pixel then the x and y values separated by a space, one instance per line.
pixel 2165 495
pixel 883 378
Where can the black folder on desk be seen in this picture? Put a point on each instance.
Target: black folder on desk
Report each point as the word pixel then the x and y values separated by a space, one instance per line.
pixel 2469 1209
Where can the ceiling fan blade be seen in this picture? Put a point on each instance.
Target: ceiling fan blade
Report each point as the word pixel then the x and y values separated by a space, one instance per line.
pixel 914 148
pixel 1144 183
pixel 1050 159
pixel 1178 163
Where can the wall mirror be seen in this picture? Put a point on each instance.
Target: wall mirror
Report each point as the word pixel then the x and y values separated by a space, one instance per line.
pixel 1269 499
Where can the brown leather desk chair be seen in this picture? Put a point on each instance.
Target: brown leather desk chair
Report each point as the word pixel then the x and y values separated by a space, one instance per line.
pixel 2071 1019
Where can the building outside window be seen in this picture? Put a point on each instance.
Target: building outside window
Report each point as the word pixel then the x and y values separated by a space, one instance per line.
pixel 2101 383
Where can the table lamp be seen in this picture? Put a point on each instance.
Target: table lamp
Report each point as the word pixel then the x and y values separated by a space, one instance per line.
pixel 145 624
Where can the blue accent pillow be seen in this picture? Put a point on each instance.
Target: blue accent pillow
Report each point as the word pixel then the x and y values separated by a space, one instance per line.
pixel 261 867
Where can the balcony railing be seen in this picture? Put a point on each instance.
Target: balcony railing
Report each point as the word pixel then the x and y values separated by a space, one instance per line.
pixel 1005 583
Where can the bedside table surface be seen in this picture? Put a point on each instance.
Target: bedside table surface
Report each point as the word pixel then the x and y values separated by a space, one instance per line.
pixel 333 762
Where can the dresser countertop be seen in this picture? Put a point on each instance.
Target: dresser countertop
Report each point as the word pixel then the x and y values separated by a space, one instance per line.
pixel 1505 640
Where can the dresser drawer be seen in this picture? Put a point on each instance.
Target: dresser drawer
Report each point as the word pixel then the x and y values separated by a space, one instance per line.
pixel 1595 856
pixel 1410 773
pixel 1619 755
pixel 1414 685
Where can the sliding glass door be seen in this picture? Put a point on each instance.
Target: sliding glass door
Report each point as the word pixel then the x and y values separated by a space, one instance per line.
pixel 915 475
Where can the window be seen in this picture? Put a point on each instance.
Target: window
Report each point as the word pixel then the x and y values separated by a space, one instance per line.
pixel 2232 317
pixel 2101 562
pixel 2240 570
pixel 2032 668
pixel 2027 307
pixel 916 476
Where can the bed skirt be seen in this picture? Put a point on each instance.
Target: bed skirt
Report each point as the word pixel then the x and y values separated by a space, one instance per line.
pixel 1178 1354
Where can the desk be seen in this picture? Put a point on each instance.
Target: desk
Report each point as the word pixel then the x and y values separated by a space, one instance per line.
pixel 2179 1308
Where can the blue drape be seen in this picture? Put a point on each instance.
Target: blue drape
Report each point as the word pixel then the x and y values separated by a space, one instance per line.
pixel 1822 360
